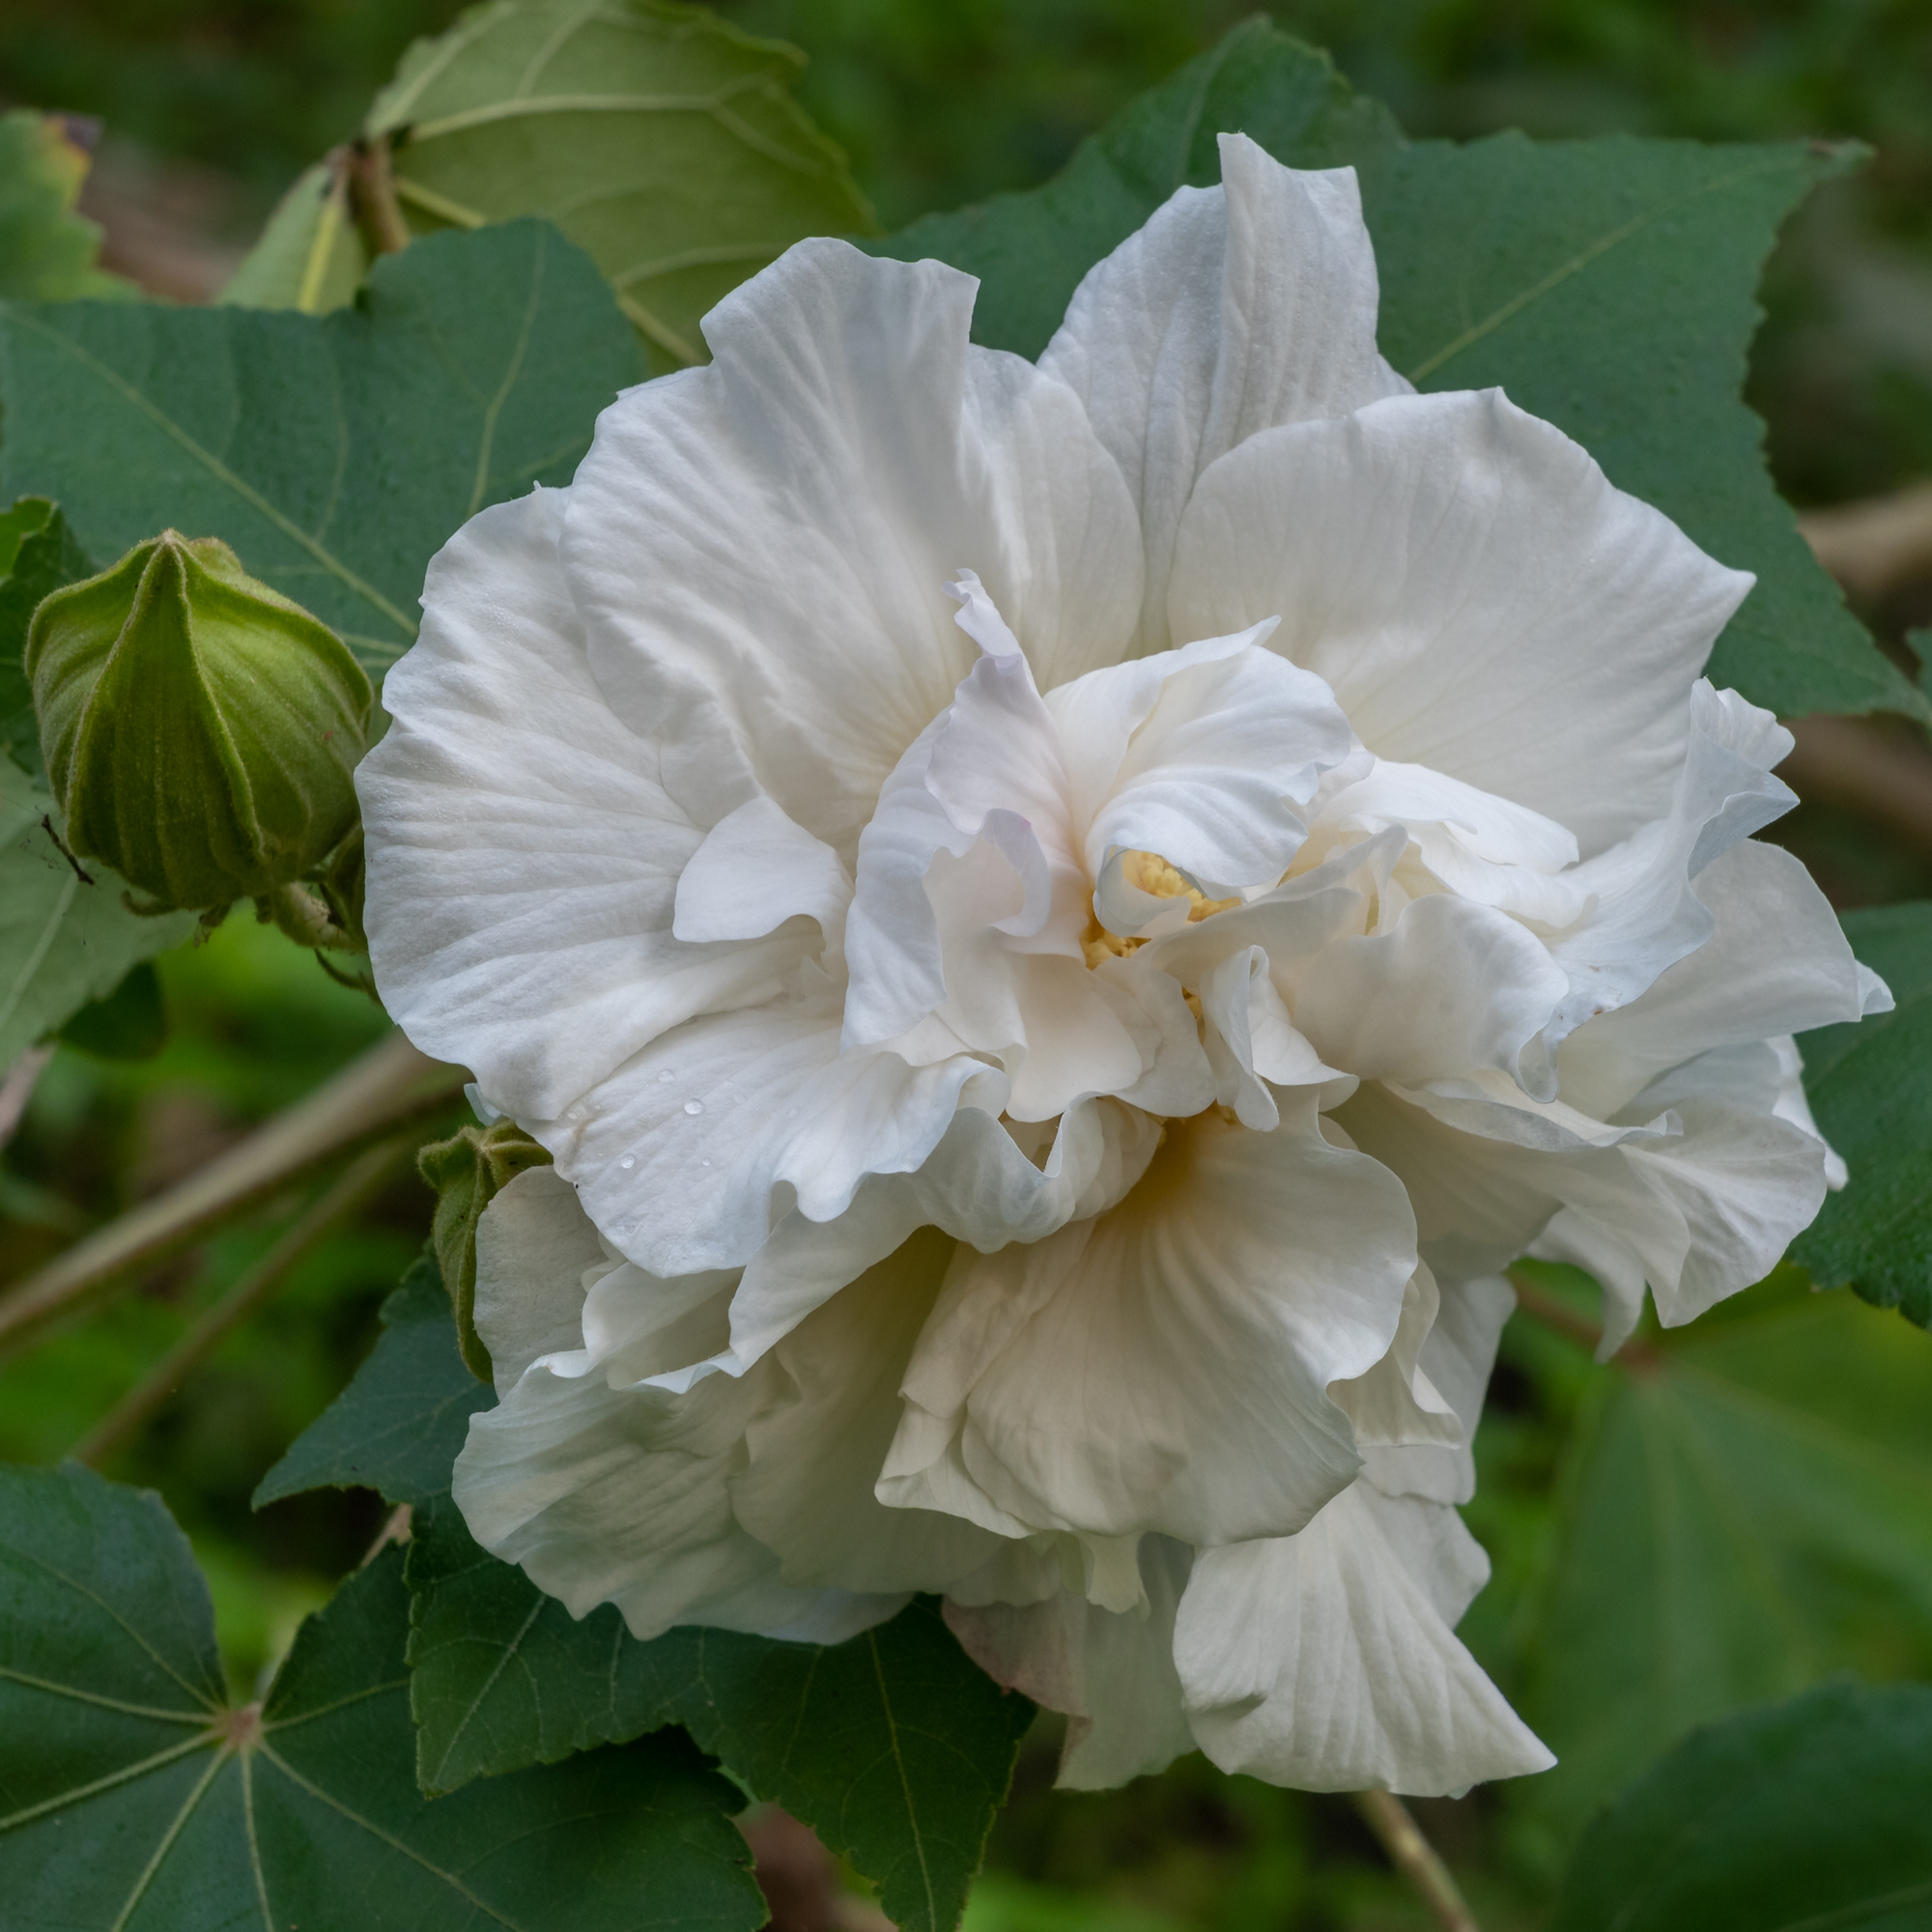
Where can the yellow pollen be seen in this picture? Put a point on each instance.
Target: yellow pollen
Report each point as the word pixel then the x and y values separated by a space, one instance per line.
pixel 1154 876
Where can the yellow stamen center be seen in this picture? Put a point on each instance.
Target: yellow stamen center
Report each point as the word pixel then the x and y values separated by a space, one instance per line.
pixel 1152 874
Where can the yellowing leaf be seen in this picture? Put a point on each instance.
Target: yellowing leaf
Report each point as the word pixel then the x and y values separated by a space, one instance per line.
pixel 47 252
pixel 661 139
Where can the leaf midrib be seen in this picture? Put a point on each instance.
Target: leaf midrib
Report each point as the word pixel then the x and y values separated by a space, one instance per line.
pixel 113 380
pixel 270 1755
pixel 1585 256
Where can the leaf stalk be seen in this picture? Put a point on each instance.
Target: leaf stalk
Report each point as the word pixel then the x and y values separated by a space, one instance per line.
pixel 1415 1858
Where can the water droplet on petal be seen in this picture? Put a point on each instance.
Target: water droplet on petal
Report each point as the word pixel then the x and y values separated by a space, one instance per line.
pixel 704 1163
pixel 629 1161
pixel 694 1106
pixel 666 1077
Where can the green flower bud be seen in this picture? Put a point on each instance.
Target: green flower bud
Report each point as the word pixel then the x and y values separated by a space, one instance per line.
pixel 198 728
pixel 467 1172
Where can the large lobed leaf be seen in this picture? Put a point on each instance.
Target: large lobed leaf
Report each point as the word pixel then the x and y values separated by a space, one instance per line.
pixel 398 1424
pixel 1030 249
pixel 894 1747
pixel 1608 285
pixel 1806 1816
pixel 37 554
pixel 1870 1087
pixel 135 1794
pixel 661 138
pixel 335 454
pixel 1746 1513
pixel 67 935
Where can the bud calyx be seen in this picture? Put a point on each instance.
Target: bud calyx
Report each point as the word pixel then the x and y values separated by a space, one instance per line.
pixel 199 728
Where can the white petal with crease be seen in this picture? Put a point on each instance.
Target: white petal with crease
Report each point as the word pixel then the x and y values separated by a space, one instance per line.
pixel 1328 1659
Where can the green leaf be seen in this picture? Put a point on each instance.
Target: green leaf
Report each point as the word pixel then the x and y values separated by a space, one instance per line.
pixel 893 1747
pixel 135 1794
pixel 1807 1816
pixel 47 252
pixel 1742 1517
pixel 1608 285
pixel 131 1023
pixel 66 933
pixel 309 257
pixel 661 138
pixel 398 1424
pixel 37 554
pixel 1870 1088
pixel 896 1748
pixel 335 453
pixel 1030 251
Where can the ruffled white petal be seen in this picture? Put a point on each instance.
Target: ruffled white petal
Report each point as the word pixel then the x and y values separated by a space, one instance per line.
pixel 1451 987
pixel 1472 842
pixel 681 1154
pixel 1212 751
pixel 1002 836
pixel 1698 1202
pixel 814 1452
pixel 1647 913
pixel 756 869
pixel 1395 1405
pixel 1480 599
pixel 609 1494
pixel 1165 1367
pixel 1457 1357
pixel 979 1186
pixel 1328 1661
pixel 1705 1213
pixel 760 548
pixel 523 855
pixel 1776 962
pixel 1111 1671
pixel 1233 310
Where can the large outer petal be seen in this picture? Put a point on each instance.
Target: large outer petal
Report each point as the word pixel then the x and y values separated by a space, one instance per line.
pixel 760 548
pixel 1111 1671
pixel 522 853
pixel 1480 597
pixel 1166 1366
pixel 1328 1661
pixel 612 1495
pixel 1233 310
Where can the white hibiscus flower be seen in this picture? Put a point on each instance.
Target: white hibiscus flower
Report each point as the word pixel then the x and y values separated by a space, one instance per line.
pixel 1061 924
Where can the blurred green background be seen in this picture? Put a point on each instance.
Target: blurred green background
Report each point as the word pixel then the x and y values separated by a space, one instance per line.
pixel 209 110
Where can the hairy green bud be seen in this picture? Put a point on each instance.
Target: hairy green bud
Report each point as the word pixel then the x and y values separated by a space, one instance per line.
pixel 199 729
